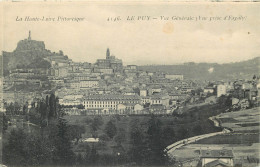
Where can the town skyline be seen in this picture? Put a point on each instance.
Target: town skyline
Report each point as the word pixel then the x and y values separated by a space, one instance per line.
pixel 138 42
pixel 125 63
pixel 44 89
pixel 130 84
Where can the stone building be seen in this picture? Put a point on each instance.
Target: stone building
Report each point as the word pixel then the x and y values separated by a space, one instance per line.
pixel 110 62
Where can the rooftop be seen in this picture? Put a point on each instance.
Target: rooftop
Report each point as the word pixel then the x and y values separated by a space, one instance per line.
pixel 112 97
pixel 216 153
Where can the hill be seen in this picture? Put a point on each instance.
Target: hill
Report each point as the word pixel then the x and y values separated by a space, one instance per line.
pixel 29 54
pixel 210 71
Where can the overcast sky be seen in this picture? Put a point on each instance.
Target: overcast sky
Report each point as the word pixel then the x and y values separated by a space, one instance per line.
pixel 139 42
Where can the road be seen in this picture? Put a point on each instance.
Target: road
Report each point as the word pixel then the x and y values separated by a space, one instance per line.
pixel 171 148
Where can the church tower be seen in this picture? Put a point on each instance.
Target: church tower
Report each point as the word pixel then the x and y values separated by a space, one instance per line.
pixel 108 54
pixel 29 37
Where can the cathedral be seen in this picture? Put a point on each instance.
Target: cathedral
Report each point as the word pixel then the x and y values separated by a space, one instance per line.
pixel 111 62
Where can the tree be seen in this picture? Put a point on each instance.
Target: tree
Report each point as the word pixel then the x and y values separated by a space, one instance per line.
pixel 52 106
pixel 17 108
pixel 15 150
pixel 225 100
pixel 97 122
pixel 9 108
pixel 5 122
pixel 182 133
pixel 156 154
pixel 80 106
pixel 38 150
pixel 168 136
pixel 59 112
pixel 137 151
pixel 197 129
pixel 75 132
pixel 63 154
pixel 79 159
pixel 92 156
pixel 110 129
pixel 25 108
pixel 120 137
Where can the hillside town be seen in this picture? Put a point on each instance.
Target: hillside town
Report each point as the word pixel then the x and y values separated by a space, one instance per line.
pixel 108 87
pixel 109 113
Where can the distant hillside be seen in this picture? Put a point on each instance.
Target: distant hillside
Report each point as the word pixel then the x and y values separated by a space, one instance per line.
pixel 210 71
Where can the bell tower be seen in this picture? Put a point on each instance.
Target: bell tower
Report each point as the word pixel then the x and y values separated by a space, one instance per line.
pixel 29 37
pixel 108 54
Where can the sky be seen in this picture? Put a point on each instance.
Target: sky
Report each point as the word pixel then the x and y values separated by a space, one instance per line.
pixel 140 42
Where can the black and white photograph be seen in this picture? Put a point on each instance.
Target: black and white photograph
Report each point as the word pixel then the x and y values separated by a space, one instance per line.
pixel 129 83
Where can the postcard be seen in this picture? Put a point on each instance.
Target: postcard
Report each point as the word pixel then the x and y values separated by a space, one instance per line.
pixel 130 83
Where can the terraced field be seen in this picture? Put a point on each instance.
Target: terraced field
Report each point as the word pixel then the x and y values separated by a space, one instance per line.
pixel 243 140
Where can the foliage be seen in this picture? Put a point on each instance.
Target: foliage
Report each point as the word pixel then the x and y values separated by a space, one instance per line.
pixel 156 154
pixel 182 133
pixel 26 149
pixel 63 153
pixel 110 129
pixel 96 123
pixel 4 124
pixel 120 137
pixel 197 129
pixel 225 100
pixel 168 136
pixel 142 144
pixel 104 137
pixel 75 132
pixel 15 150
pixel 12 108
pixel 137 152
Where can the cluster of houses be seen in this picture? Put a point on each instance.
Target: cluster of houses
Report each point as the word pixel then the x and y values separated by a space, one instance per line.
pixel 108 87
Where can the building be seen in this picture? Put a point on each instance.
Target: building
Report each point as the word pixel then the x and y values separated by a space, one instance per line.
pixel 208 90
pixel 235 101
pixel 221 90
pixel 132 67
pixel 110 62
pixel 130 108
pixel 85 84
pixel 174 76
pixel 216 158
pixel 143 92
pixel 146 100
pixel 109 101
pixel 160 100
pixel 157 99
pixel 244 103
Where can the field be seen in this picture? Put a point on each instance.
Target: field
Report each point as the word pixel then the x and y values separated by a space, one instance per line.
pixel 232 138
pixel 244 140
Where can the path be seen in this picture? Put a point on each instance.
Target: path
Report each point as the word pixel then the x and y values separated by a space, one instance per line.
pixel 171 148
